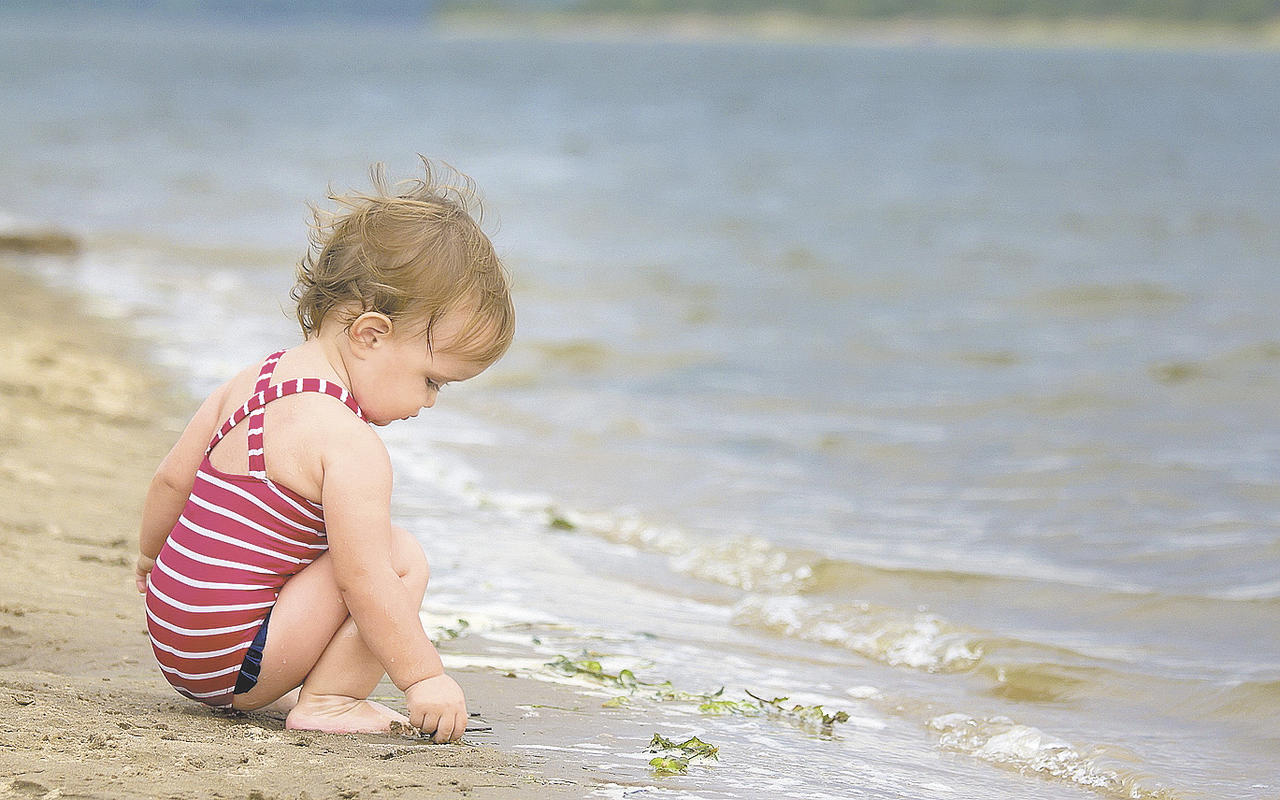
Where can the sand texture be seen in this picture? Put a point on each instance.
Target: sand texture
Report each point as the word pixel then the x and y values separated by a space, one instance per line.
pixel 83 710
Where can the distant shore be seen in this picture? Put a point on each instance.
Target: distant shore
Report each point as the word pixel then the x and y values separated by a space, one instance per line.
pixel 787 27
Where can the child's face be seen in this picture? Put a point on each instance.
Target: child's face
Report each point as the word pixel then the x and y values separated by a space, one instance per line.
pixel 403 376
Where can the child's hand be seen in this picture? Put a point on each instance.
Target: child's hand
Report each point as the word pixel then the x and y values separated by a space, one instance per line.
pixel 140 571
pixel 436 705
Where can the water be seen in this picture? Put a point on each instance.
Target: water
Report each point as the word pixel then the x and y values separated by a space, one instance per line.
pixel 936 385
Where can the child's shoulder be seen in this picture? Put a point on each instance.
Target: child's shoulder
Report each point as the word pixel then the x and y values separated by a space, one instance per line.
pixel 327 408
pixel 326 404
pixel 234 391
pixel 305 432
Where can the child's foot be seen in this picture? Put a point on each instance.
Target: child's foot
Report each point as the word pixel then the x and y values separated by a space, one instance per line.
pixel 338 714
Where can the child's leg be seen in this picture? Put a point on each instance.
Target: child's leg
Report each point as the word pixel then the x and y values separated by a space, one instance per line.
pixel 313 641
pixel 286 702
pixel 333 698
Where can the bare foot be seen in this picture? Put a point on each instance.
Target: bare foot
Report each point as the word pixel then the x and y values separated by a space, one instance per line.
pixel 338 714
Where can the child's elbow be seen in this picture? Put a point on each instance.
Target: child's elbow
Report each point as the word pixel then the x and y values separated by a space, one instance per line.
pixel 353 584
pixel 358 586
pixel 169 480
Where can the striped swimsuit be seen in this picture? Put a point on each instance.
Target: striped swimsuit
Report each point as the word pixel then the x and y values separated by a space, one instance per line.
pixel 240 537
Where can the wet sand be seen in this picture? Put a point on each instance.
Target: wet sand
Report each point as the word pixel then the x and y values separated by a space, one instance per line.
pixel 83 710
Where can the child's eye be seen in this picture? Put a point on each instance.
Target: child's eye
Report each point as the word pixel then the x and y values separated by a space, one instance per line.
pixel 435 386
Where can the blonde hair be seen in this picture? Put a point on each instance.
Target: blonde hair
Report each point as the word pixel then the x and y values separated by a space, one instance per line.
pixel 413 251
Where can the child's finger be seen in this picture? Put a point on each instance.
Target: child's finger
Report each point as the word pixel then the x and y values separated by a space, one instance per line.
pixel 430 723
pixel 455 732
pixel 444 729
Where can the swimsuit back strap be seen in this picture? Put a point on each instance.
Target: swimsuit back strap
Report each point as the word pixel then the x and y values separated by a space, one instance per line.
pixel 266 393
pixel 257 419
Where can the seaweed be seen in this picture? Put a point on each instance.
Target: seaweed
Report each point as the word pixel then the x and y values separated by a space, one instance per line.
pixel 717 703
pixel 559 521
pixel 443 633
pixel 674 759
pixel 812 718
pixel 707 702
pixel 590 668
pixel 666 765
pixel 729 707
pixel 691 748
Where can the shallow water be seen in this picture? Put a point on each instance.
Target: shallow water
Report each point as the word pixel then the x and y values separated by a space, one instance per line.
pixel 932 384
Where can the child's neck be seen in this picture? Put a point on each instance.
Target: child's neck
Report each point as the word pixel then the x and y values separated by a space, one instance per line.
pixel 330 351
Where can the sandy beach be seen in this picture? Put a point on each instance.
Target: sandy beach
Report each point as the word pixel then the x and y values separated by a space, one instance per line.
pixel 86 714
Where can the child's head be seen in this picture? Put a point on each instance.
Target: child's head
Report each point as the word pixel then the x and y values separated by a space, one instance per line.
pixel 414 253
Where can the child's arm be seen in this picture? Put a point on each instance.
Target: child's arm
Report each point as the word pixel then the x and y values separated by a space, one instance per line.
pixel 357 500
pixel 172 483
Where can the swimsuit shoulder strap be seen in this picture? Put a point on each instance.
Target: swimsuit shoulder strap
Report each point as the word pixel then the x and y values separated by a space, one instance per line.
pixel 265 392
pixel 257 417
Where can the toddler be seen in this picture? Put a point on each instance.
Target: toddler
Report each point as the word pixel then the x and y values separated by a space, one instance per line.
pixel 271 569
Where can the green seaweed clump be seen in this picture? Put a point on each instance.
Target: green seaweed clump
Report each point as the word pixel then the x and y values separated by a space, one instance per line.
pixel 674 759
pixel 811 718
pixel 444 634
pixel 814 719
pixel 717 703
pixel 558 521
pixel 590 668
pixel 666 765
pixel 707 702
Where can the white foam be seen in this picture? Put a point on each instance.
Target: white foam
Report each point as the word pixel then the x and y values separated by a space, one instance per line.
pixel 614 791
pixel 749 563
pixel 1001 741
pixel 922 641
pixel 863 692
pixel 1268 590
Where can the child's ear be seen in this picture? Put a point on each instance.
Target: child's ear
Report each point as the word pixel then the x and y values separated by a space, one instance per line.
pixel 369 330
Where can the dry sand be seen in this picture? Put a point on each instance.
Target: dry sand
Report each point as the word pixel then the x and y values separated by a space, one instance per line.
pixel 83 710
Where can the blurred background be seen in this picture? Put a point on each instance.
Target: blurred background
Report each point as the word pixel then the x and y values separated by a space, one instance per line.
pixel 915 359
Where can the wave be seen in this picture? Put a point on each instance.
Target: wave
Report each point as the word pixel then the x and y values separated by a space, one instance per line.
pixel 1244 705
pixel 1016 669
pixel 1025 749
pixel 890 636
pixel 752 563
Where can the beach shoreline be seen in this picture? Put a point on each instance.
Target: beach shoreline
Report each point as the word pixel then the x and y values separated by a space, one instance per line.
pixel 784 27
pixel 83 422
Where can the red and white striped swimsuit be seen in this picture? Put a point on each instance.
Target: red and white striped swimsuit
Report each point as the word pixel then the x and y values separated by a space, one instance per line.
pixel 240 537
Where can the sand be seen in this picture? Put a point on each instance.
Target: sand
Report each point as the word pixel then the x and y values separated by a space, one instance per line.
pixel 84 712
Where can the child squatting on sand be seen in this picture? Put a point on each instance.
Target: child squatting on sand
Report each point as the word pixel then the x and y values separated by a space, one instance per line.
pixel 271 569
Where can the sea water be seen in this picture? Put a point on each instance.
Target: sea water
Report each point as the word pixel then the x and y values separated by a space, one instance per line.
pixel 935 385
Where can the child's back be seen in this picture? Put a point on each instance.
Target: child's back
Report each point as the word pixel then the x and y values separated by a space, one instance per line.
pixel 241 535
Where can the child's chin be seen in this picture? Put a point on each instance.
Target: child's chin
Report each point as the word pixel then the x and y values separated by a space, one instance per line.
pixel 382 423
